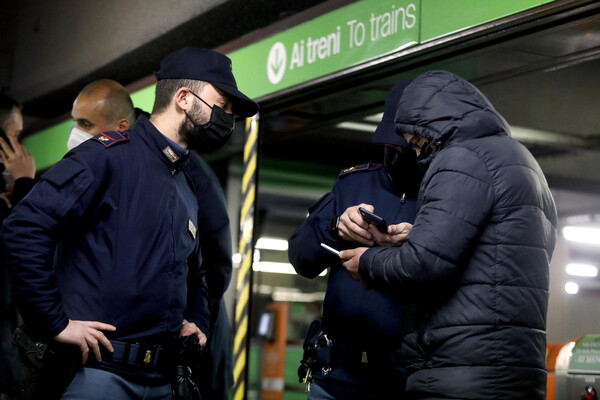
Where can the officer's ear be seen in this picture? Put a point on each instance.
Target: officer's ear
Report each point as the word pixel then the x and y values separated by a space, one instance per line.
pixel 183 98
pixel 123 124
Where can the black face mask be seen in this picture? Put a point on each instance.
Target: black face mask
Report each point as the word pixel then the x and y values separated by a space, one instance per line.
pixel 404 171
pixel 213 135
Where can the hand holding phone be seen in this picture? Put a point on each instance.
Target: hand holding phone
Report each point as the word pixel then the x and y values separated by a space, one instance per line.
pixel 5 137
pixel 374 219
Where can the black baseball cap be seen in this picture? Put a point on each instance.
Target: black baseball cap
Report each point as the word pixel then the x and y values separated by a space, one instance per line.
pixel 386 130
pixel 208 66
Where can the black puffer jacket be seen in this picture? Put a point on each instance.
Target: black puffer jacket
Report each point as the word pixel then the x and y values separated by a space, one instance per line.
pixel 478 254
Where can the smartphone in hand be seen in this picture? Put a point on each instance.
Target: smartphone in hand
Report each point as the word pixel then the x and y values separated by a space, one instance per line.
pixel 5 137
pixel 374 219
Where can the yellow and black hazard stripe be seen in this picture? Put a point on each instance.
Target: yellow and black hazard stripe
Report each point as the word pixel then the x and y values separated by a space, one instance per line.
pixel 246 250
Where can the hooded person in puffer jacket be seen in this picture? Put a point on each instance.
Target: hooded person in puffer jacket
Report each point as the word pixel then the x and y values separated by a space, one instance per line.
pixel 478 254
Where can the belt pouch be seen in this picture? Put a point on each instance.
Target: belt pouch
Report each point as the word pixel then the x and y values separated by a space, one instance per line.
pixel 48 366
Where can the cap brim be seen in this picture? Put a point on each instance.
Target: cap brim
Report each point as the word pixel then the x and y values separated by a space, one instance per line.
pixel 242 104
pixel 385 133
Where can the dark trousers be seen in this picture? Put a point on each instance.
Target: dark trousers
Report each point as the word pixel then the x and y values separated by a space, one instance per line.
pixel 96 384
pixel 216 364
pixel 10 362
pixel 330 389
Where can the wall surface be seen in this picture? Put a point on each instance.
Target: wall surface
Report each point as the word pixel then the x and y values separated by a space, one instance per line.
pixel 54 43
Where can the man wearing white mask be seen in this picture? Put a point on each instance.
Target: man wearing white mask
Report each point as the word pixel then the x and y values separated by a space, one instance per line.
pixel 101 106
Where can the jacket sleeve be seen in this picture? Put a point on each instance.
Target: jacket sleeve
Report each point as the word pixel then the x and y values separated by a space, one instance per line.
pixel 304 251
pixel 456 203
pixel 197 310
pixel 21 188
pixel 29 237
pixel 214 231
pixel 4 279
pixel 215 235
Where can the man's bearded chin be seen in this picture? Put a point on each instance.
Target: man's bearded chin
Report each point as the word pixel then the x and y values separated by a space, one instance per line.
pixel 186 133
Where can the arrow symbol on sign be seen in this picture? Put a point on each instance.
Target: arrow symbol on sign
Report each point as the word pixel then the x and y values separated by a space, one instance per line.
pixel 276 63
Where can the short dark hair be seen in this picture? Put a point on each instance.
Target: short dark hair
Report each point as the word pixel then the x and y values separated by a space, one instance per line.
pixel 166 88
pixel 7 103
pixel 118 104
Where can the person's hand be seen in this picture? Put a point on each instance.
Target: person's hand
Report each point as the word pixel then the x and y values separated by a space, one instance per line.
pixel 9 191
pixel 350 260
pixel 395 236
pixel 17 161
pixel 86 335
pixel 354 228
pixel 190 328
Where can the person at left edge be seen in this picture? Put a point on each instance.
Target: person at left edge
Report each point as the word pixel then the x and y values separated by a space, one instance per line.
pixel 18 166
pixel 123 215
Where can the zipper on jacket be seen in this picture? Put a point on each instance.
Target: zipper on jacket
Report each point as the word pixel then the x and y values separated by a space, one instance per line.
pixel 424 348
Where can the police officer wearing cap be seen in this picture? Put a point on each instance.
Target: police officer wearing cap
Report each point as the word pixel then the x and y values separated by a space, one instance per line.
pixel 353 353
pixel 123 216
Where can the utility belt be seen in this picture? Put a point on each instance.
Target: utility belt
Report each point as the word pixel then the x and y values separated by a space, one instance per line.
pixel 323 353
pixel 140 355
pixel 49 367
pixel 144 362
pixel 176 361
pixel 331 352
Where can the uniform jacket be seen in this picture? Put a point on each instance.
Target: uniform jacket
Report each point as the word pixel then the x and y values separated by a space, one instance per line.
pixel 124 217
pixel 213 228
pixel 368 319
pixel 215 245
pixel 21 187
pixel 478 253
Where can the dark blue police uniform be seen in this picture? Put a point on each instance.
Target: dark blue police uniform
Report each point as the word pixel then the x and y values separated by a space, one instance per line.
pixel 10 373
pixel 215 372
pixel 124 217
pixel 363 327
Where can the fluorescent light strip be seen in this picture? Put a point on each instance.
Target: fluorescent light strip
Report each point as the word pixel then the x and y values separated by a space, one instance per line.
pixel 297 297
pixel 357 126
pixel 529 135
pixel 374 118
pixel 582 270
pixel 277 268
pixel 582 235
pixel 267 243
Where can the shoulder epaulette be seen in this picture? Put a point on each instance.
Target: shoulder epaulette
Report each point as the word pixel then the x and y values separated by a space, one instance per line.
pixel 360 168
pixel 110 138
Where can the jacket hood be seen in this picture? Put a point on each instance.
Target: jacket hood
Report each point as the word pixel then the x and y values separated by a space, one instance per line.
pixel 445 108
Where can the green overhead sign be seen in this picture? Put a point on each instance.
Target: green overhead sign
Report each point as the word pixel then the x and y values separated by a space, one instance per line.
pixel 340 39
pixel 355 34
pixel 343 38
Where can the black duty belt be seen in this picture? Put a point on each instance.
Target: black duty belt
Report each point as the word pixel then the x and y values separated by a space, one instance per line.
pixel 143 356
pixel 333 352
pixel 357 355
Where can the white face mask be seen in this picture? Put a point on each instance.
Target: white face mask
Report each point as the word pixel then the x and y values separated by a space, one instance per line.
pixel 77 137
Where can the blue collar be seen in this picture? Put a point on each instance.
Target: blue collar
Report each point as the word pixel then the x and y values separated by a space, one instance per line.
pixel 172 155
